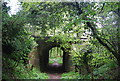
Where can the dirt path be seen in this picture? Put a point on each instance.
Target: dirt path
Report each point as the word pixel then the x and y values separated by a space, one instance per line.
pixel 55 76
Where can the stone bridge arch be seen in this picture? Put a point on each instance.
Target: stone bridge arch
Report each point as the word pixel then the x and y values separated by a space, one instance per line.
pixel 43 56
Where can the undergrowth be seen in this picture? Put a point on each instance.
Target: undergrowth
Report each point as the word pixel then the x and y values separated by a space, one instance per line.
pixel 106 71
pixel 14 70
pixel 70 75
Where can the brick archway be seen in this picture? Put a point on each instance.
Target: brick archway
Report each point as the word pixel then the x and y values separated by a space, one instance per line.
pixel 43 53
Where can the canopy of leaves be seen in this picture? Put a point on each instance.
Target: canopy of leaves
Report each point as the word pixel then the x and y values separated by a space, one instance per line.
pixel 91 29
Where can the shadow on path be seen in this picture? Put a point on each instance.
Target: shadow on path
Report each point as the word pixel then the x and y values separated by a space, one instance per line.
pixel 54 71
pixel 54 68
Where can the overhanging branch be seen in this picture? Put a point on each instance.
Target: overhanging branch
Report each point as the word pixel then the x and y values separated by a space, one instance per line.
pixel 99 39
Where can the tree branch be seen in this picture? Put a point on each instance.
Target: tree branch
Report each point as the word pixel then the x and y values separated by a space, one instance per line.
pixel 99 39
pixel 109 43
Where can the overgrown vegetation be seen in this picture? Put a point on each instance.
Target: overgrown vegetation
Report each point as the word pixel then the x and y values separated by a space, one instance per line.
pixel 15 70
pixel 90 29
pixel 17 44
pixel 106 71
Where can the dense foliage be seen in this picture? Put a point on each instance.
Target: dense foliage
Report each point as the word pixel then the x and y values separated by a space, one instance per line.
pixel 91 30
pixel 17 44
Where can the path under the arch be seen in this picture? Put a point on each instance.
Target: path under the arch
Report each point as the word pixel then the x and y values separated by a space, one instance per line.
pixel 55 71
pixel 55 75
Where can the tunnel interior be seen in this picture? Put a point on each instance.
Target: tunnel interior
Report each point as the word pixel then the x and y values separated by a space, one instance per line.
pixel 54 67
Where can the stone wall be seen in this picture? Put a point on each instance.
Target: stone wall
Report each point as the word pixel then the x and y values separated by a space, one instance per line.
pixel 34 59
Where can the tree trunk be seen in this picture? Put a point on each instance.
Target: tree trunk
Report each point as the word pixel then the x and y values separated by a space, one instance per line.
pixel 95 35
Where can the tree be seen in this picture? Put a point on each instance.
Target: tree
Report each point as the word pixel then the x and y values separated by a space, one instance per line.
pixel 16 41
pixel 92 14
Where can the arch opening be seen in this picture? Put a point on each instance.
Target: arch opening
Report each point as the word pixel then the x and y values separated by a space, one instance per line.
pixel 54 60
pixel 56 56
pixel 44 53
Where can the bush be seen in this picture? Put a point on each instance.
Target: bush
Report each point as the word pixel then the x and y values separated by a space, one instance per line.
pixel 14 70
pixel 70 75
